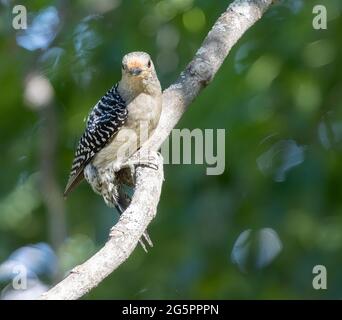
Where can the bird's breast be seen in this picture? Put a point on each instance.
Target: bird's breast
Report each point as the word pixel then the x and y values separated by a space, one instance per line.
pixel 143 117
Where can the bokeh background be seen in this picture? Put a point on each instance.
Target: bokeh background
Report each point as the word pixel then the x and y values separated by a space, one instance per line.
pixel 254 232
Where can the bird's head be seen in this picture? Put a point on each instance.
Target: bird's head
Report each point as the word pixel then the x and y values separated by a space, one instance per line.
pixel 138 75
pixel 137 66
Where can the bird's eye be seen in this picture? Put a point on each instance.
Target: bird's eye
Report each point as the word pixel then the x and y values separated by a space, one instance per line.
pixel 149 63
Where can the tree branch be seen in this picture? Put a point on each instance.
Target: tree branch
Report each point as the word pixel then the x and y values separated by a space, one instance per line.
pixel 230 26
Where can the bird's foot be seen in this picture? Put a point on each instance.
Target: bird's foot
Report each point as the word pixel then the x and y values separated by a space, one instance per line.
pixel 132 163
pixel 145 237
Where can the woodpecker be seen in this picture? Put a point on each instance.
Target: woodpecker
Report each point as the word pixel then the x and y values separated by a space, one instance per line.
pixel 120 122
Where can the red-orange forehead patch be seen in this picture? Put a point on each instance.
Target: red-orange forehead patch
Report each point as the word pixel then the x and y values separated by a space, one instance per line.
pixel 134 63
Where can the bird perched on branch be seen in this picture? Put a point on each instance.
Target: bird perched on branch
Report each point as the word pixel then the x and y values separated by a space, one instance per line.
pixel 117 127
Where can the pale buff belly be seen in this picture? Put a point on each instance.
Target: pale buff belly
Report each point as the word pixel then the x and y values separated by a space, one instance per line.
pixel 143 116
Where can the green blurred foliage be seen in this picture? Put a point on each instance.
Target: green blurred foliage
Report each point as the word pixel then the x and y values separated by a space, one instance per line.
pixel 278 95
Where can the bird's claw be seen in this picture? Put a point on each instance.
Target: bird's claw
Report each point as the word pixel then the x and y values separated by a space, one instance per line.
pixel 148 240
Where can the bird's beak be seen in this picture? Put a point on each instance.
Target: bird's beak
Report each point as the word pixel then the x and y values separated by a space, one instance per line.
pixel 135 71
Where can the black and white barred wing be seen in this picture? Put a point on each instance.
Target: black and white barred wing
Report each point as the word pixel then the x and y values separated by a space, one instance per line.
pixel 103 122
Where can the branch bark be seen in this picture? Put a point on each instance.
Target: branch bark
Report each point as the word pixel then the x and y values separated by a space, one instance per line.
pixel 230 26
